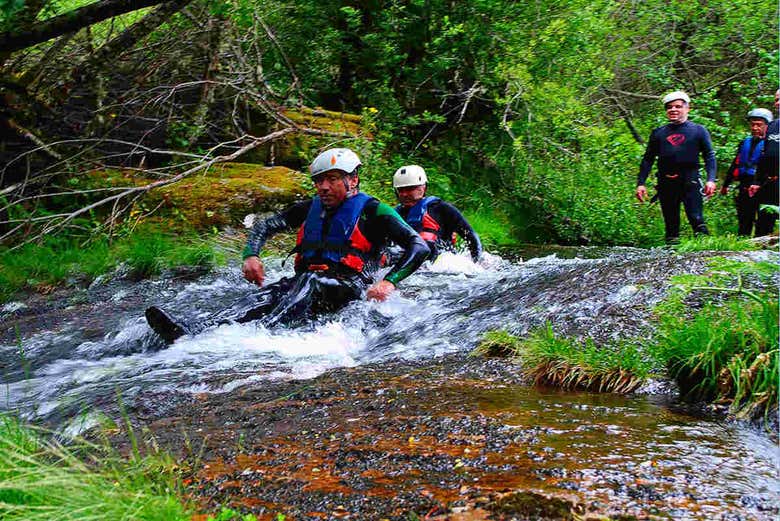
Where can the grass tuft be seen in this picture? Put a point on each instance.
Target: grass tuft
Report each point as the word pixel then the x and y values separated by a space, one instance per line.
pixel 550 359
pixel 498 343
pixel 727 350
pixel 41 479
pixel 568 363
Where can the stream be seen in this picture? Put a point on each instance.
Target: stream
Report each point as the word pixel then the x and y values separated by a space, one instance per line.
pixel 377 411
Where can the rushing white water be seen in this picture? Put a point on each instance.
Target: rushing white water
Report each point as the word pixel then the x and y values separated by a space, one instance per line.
pixel 89 374
pixel 443 308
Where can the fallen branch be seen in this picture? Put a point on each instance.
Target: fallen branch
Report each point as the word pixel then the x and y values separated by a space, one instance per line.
pixel 55 222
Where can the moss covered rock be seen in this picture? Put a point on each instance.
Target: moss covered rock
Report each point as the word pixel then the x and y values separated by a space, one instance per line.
pixel 220 196
pixel 229 191
pixel 532 506
pixel 296 150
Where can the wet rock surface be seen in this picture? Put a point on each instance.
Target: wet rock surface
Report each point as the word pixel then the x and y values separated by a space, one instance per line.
pixel 451 438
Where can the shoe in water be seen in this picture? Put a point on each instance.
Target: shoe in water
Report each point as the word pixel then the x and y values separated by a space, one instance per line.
pixel 162 324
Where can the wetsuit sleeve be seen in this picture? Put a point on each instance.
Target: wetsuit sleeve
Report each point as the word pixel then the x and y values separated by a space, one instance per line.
pixel 651 152
pixel 768 162
pixel 395 229
pixel 288 219
pixel 730 172
pixel 708 152
pixel 463 228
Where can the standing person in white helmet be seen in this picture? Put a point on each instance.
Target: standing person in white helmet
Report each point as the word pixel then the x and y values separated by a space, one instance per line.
pixel 437 222
pixel 342 233
pixel 743 170
pixel 677 146
pixel 767 187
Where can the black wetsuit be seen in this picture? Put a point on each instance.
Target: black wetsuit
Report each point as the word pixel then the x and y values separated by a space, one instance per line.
pixel 319 285
pixel 767 178
pixel 677 148
pixel 450 222
pixel 742 170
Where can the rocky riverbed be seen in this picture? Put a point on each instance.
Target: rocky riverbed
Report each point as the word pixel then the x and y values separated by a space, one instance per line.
pixel 458 438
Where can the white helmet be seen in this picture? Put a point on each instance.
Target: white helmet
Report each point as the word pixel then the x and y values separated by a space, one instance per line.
pixel 760 114
pixel 410 175
pixel 678 94
pixel 335 159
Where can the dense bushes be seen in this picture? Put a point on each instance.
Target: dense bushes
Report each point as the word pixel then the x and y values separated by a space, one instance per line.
pixel 538 109
pixel 532 114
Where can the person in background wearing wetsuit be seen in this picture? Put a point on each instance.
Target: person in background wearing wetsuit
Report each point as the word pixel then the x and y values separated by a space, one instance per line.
pixel 678 145
pixel 341 235
pixel 437 222
pixel 766 188
pixel 743 170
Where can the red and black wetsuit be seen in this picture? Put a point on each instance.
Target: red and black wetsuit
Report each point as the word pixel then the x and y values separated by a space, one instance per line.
pixel 767 178
pixel 437 223
pixel 338 255
pixel 677 148
pixel 743 171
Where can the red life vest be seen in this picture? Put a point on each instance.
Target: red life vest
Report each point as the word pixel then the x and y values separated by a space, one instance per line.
pixel 422 222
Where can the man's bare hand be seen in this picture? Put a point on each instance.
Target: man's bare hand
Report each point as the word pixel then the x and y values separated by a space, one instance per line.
pixel 641 193
pixel 254 271
pixel 379 291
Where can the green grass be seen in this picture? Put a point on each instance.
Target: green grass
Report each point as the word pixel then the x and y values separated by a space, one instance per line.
pixel 42 479
pixel 726 352
pixel 150 251
pixel 493 228
pixel 57 259
pixel 552 359
pixel 572 364
pixel 228 514
pixel 716 243
pixel 727 349
pixel 717 337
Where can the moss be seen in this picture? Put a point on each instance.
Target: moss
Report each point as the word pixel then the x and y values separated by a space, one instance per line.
pixel 529 505
pixel 297 149
pixel 229 192
pixel 221 196
pixel 321 119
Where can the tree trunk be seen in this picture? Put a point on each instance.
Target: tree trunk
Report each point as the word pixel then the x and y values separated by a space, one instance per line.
pixel 68 22
pixel 129 37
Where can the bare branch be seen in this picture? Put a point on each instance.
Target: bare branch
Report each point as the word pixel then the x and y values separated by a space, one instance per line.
pixel 60 220
pixel 27 134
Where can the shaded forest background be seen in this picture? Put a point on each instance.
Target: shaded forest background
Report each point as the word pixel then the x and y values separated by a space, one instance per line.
pixel 530 116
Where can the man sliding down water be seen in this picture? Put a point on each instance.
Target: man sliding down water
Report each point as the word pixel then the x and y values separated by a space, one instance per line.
pixel 437 222
pixel 341 234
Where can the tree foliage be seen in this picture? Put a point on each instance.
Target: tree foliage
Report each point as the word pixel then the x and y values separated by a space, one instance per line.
pixel 534 113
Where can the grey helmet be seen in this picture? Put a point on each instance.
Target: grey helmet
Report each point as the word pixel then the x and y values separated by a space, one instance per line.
pixel 760 114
